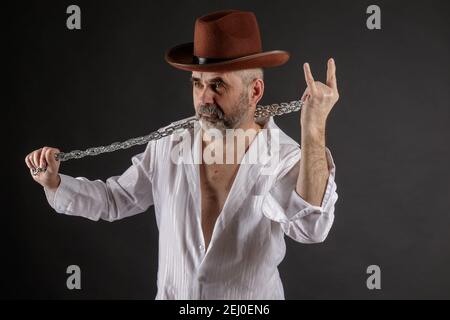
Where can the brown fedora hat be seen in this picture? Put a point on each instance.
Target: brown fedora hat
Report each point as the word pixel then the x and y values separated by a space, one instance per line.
pixel 224 41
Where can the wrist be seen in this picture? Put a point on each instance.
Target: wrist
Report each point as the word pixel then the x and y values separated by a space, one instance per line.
pixel 313 135
pixel 53 186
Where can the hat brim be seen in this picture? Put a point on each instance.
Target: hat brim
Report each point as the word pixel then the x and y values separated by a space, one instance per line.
pixel 182 57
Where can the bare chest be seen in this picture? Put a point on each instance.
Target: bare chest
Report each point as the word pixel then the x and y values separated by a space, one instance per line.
pixel 216 182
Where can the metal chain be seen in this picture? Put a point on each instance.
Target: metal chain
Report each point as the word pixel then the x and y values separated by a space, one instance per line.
pixel 260 112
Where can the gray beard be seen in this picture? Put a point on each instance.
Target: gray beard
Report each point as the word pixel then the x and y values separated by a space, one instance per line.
pixel 223 122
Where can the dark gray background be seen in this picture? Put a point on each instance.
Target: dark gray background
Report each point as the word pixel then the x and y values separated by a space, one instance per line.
pixel 389 135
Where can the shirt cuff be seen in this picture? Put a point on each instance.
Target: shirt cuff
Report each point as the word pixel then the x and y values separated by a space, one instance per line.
pixel 62 197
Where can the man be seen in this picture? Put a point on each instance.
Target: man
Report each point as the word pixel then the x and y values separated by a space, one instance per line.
pixel 221 225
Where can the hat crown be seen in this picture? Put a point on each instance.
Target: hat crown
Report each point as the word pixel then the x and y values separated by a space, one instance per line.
pixel 227 34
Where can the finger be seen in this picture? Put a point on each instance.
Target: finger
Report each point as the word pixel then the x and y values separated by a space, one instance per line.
pixel 305 95
pixel 35 157
pixel 331 74
pixel 28 162
pixel 42 162
pixel 309 77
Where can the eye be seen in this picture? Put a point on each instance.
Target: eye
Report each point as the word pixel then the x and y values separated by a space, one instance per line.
pixel 196 84
pixel 217 85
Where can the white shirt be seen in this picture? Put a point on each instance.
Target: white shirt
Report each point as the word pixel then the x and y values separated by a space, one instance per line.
pixel 247 243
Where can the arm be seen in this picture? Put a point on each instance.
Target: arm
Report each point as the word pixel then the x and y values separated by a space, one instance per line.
pixel 299 219
pixel 318 99
pixel 303 200
pixel 313 173
pixel 116 198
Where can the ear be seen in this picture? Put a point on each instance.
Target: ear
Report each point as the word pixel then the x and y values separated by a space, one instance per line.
pixel 257 91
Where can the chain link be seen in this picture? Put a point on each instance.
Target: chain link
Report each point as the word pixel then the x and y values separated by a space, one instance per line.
pixel 260 112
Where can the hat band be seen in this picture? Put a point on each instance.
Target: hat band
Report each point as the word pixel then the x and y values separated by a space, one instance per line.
pixel 201 60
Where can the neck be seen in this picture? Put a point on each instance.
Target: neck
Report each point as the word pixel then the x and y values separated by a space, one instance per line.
pixel 235 141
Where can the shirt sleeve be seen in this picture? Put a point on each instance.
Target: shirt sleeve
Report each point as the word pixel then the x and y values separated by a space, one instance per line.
pixel 116 198
pixel 300 220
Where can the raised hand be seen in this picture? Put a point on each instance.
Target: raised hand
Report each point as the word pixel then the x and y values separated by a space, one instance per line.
pixel 318 98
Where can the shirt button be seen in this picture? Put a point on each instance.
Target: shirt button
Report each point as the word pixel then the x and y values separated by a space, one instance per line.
pixel 201 247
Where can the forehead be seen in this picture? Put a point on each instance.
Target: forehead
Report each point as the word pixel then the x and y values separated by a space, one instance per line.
pixel 205 76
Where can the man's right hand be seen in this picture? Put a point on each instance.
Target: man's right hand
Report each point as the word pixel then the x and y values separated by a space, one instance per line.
pixel 45 158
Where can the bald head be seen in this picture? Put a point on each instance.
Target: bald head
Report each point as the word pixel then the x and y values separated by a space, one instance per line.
pixel 248 75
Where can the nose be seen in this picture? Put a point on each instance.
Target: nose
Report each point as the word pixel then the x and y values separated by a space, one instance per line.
pixel 206 96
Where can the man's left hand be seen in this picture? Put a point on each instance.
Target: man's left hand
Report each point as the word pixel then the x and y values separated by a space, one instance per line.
pixel 318 98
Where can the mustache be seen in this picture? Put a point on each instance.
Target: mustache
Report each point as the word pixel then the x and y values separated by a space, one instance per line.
pixel 212 109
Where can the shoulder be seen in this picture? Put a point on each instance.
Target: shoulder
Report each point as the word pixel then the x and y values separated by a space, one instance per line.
pixel 286 144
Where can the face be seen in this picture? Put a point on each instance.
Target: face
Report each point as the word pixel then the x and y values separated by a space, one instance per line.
pixel 221 100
